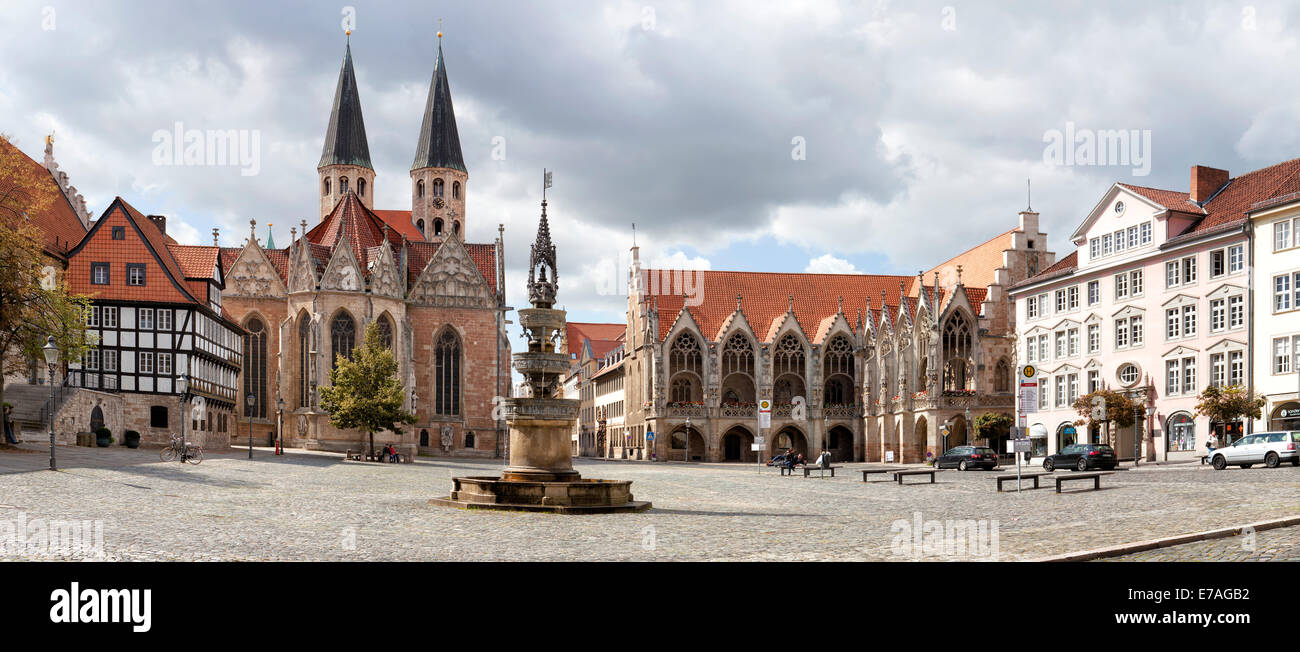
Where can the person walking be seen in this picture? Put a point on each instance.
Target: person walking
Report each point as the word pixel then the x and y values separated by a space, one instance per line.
pixel 1211 443
pixel 9 425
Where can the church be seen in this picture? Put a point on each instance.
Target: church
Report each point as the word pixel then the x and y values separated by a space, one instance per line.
pixel 438 299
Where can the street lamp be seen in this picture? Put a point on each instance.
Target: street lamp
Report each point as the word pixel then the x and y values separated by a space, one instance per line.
pixel 249 401
pixel 686 455
pixel 1151 412
pixel 51 352
pixel 183 386
pixel 279 426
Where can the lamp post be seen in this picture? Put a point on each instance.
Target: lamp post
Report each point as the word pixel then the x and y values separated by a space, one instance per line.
pixel 1151 412
pixel 183 384
pixel 249 401
pixel 279 426
pixel 686 455
pixel 51 352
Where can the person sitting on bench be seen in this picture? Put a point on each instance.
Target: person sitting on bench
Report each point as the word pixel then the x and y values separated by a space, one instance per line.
pixel 793 459
pixel 777 460
pixel 823 460
pixel 393 457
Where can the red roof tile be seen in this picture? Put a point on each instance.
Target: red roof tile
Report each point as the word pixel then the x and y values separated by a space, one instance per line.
pixel 765 298
pixel 196 261
pixel 58 222
pixel 400 221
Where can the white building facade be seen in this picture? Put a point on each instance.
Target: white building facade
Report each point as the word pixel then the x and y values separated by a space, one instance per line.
pixel 1276 309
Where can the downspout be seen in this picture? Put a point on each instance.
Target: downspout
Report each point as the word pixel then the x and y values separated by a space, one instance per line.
pixel 1250 317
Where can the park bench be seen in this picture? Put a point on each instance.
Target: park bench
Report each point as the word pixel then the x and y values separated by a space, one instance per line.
pixel 823 469
pixel 350 454
pixel 899 475
pixel 866 473
pixel 785 470
pixel 1025 476
pixel 1095 477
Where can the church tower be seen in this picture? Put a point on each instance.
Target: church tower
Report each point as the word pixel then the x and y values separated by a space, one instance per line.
pixel 438 175
pixel 345 160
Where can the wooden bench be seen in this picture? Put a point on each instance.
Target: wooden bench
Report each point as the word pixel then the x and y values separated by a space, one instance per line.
pixel 1095 477
pixel 866 473
pixel 1025 476
pixel 899 475
pixel 823 469
pixel 786 470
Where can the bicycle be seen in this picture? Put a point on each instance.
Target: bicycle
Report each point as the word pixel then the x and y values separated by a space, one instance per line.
pixel 192 453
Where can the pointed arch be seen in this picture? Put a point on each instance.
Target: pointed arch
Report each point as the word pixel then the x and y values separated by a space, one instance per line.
pixel 255 364
pixel 343 336
pixel 419 188
pixel 361 187
pixel 789 361
pixel 957 350
pixel 385 325
pixel 447 372
pixel 1002 376
pixel 304 359
pixel 686 369
pixel 838 372
pixel 437 187
pixel 738 378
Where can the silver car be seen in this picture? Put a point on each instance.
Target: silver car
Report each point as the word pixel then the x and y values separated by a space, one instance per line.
pixel 1270 448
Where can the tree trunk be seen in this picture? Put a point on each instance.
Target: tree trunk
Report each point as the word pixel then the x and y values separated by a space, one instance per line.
pixel 372 443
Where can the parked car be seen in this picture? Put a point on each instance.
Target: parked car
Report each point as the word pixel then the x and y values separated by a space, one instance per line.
pixel 1082 457
pixel 966 457
pixel 1269 448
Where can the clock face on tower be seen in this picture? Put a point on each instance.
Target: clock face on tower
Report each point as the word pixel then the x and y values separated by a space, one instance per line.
pixel 437 202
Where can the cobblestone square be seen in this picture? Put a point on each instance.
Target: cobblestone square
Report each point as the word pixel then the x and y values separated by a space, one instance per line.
pixel 314 506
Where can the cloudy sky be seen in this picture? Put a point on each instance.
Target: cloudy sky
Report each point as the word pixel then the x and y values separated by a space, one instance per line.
pixel 782 136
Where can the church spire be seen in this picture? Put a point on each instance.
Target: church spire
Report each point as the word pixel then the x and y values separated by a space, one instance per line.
pixel 541 259
pixel 345 138
pixel 439 144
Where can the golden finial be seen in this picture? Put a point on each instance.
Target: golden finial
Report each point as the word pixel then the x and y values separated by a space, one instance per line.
pixel 439 28
pixel 347 32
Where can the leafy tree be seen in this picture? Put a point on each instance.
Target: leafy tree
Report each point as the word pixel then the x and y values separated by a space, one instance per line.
pixel 993 426
pixel 364 392
pixel 1226 404
pixel 1105 406
pixel 34 304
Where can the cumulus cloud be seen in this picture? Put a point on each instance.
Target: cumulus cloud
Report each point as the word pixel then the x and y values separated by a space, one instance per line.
pixel 829 264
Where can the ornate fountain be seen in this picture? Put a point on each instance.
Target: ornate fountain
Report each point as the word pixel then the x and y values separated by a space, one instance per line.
pixel 540 474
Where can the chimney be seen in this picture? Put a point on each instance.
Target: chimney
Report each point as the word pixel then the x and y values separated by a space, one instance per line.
pixel 159 221
pixel 1205 181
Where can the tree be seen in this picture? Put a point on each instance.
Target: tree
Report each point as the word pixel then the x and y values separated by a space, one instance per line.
pixel 1105 406
pixel 1227 404
pixel 992 426
pixel 34 302
pixel 364 392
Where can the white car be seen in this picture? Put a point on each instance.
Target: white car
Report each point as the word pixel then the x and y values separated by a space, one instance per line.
pixel 1271 448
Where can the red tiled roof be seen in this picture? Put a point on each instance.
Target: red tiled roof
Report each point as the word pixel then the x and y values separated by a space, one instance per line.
pixel 58 222
pixel 400 221
pixel 483 255
pixel 364 230
pixel 979 263
pixel 196 261
pixel 150 249
pixel 1171 199
pixel 764 297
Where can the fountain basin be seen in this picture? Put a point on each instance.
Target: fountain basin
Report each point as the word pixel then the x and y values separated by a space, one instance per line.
pixel 579 496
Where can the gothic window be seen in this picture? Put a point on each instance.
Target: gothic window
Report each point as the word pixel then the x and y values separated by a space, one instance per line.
pixel 1002 376
pixel 255 367
pixel 788 369
pixel 956 352
pixel 419 188
pixel 304 361
pixel 361 187
pixel 437 227
pixel 738 369
pixel 455 190
pixel 437 187
pixel 419 224
pixel 838 371
pixel 686 366
pixel 456 227
pixel 325 187
pixel 343 335
pixel 385 327
pixel 343 185
pixel 446 374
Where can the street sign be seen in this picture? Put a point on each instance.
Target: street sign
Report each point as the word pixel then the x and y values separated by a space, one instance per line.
pixel 760 441
pixel 889 456
pixel 1029 371
pixel 1023 445
pixel 650 435
pixel 756 447
pixel 943 430
pixel 764 414
pixel 1069 430
pixel 1028 394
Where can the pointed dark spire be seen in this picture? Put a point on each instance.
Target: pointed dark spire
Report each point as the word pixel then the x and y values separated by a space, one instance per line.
pixel 541 288
pixel 345 139
pixel 439 144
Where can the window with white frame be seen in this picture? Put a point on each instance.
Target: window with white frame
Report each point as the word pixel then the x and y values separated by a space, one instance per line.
pixel 1282 355
pixel 164 320
pixel 1060 344
pixel 1236 311
pixel 92 317
pixel 1094 338
pixel 1042 347
pixel 1060 391
pixel 1128 374
pixel 1074 388
pixel 1073 335
pixel 1236 368
pixel 1236 258
pixel 1031 348
pixel 1145 231
pixel 1060 300
pixel 1218 263
pixel 110 316
pixel 1107 244
pixel 1120 243
pixel 1031 308
pixel 1135 330
pixel 1218 369
pixel 1042 393
pixel 1135 282
pixel 1180 322
pixel 1094 293
pixel 1072 297
pixel 1281 235
pixel 91 360
pixel 1173 378
pixel 146 362
pixel 1121 333
pixel 1218 315
pixel 1121 286
pixel 1094 380
pixel 1180 272
pixel 1132 237
pixel 109 359
pixel 165 364
pixel 1094 248
pixel 146 318
pixel 1286 291
pixel 1180 376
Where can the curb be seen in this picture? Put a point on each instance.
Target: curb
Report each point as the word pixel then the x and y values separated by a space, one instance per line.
pixel 1140 546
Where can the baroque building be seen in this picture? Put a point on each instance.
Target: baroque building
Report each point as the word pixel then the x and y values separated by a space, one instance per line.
pixel 868 367
pixel 437 299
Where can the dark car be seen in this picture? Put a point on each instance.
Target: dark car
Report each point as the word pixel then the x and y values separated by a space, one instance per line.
pixel 1082 457
pixel 965 457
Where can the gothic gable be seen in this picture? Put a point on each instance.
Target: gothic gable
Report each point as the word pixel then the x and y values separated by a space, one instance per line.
pixel 384 280
pixel 342 273
pixel 253 275
pixel 451 279
pixel 302 269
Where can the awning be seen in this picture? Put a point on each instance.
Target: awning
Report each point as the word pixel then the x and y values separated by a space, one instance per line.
pixel 1038 431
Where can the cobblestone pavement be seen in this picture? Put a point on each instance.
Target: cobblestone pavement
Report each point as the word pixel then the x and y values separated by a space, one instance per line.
pixel 1279 544
pixel 314 506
